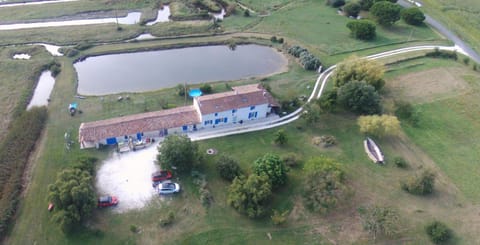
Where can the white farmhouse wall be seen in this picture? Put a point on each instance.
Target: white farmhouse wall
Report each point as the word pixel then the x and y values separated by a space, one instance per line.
pixel 234 116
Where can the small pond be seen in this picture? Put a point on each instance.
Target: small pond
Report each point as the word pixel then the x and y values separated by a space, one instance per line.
pixel 153 70
pixel 162 16
pixel 43 90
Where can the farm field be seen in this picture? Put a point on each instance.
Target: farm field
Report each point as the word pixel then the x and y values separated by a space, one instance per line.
pixel 445 92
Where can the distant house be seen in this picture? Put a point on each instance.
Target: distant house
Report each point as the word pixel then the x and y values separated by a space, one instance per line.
pixel 243 103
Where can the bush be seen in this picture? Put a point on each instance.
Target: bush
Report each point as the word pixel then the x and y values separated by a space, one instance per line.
pixel 335 3
pixel 296 50
pixel 291 159
pixel 438 232
pixel 444 54
pixel 466 60
pixel 228 168
pixel 69 52
pixel 273 39
pixel 246 13
pixel 328 140
pixel 400 162
pixel 181 89
pixel 55 68
pixel 412 16
pixel 271 166
pixel 279 218
pixel 280 40
pixel 206 89
pixel 352 8
pixel 309 61
pixel 362 29
pixel 406 111
pixel 280 137
pixel 358 69
pixel 250 195
pixel 167 220
pixel 179 152
pixel 386 13
pixel 360 98
pixel 422 184
pixel 379 126
pixel 133 228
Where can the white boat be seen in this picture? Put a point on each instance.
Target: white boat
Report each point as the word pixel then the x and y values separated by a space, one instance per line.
pixel 373 151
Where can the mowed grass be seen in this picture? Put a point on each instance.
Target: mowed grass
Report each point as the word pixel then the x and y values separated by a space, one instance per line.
pixel 322 30
pixel 449 125
pixel 459 16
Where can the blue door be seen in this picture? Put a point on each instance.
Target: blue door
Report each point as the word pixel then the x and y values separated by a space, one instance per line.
pixel 111 141
pixel 139 136
pixel 184 128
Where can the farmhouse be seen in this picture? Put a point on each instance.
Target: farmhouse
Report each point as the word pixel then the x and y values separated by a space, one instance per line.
pixel 243 103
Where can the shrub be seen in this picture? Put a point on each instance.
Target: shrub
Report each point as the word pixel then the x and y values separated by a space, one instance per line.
pixel 228 168
pixel 55 68
pixel 279 218
pixel 167 220
pixel 328 140
pixel 206 89
pixel 438 232
pixel 421 184
pixel 359 97
pixel 362 29
pixel 335 3
pixel 280 40
pixel 400 162
pixel 179 152
pixel 412 16
pixel 466 60
pixel 206 197
pixel 358 69
pixel 133 228
pixel 249 195
pixel 444 54
pixel 309 61
pixel 273 39
pixel 406 111
pixel 296 50
pixel 291 159
pixel 280 137
pixel 379 126
pixel 352 8
pixel 386 13
pixel 271 166
pixel 246 13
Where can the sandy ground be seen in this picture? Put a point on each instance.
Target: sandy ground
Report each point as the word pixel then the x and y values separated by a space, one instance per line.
pixel 127 176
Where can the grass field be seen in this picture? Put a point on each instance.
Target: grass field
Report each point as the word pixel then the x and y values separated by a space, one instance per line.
pixel 459 16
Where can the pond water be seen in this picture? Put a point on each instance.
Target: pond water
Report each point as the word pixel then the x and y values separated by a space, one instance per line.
pixel 43 90
pixel 145 36
pixel 21 56
pixel 131 18
pixel 219 16
pixel 162 16
pixel 147 71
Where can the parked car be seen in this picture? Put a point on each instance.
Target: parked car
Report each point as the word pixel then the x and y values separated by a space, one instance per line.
pixel 161 176
pixel 107 201
pixel 168 188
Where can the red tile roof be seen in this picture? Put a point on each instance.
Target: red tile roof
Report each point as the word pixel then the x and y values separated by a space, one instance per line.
pixel 132 124
pixel 239 97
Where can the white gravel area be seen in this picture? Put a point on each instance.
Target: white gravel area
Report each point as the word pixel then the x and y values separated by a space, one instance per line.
pixel 128 176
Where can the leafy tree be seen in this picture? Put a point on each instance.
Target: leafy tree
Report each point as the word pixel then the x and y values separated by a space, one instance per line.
pixel 421 184
pixel 386 13
pixel 271 166
pixel 311 113
pixel 73 196
pixel 181 89
pixel 309 61
pixel 249 195
pixel 352 8
pixel 412 16
pixel 177 152
pixel 228 167
pixel 381 221
pixel 324 184
pixel 362 29
pixel 438 232
pixel 335 3
pixel 367 4
pixel 206 89
pixel 379 126
pixel 328 101
pixel 296 50
pixel 359 69
pixel 280 137
pixel 360 98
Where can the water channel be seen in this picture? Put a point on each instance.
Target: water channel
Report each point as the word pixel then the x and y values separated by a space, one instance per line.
pixel 153 70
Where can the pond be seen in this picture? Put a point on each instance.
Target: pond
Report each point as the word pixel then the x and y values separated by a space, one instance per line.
pixel 153 70
pixel 43 90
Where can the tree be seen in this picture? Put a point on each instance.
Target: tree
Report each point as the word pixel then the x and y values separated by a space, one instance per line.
pixel 249 195
pixel 177 152
pixel 271 166
pixel 352 8
pixel 367 4
pixel 379 126
pixel 280 137
pixel 328 101
pixel 206 88
pixel 181 89
pixel 362 29
pixel 309 61
pixel 438 232
pixel 360 98
pixel 412 16
pixel 386 13
pixel 324 184
pixel 420 184
pixel 311 113
pixel 358 69
pixel 228 168
pixel 380 221
pixel 73 196
pixel 335 3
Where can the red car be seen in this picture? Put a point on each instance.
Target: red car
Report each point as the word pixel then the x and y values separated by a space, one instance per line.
pixel 107 201
pixel 161 176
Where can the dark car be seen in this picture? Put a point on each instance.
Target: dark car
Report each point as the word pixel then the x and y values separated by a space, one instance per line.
pixel 107 201
pixel 161 176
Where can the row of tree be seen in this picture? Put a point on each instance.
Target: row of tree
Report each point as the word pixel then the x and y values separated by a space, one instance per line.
pixel 308 60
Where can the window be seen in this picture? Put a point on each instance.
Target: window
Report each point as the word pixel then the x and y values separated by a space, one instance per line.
pixel 252 115
pixel 252 107
pixel 216 114
pixel 234 110
pixel 218 120
pixel 207 122
pixel 225 120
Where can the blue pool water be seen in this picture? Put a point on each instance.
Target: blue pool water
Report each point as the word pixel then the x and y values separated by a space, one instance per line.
pixel 195 92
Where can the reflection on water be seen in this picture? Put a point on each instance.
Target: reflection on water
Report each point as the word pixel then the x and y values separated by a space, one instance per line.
pixel 131 18
pixel 43 90
pixel 146 71
pixel 22 56
pixel 162 16
pixel 128 176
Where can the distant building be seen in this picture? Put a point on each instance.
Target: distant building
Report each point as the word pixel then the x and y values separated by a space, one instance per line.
pixel 243 103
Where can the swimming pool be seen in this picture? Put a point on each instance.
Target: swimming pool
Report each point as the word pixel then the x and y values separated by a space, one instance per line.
pixel 195 92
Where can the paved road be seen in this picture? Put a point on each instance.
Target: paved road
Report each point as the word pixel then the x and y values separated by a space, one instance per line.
pixel 447 33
